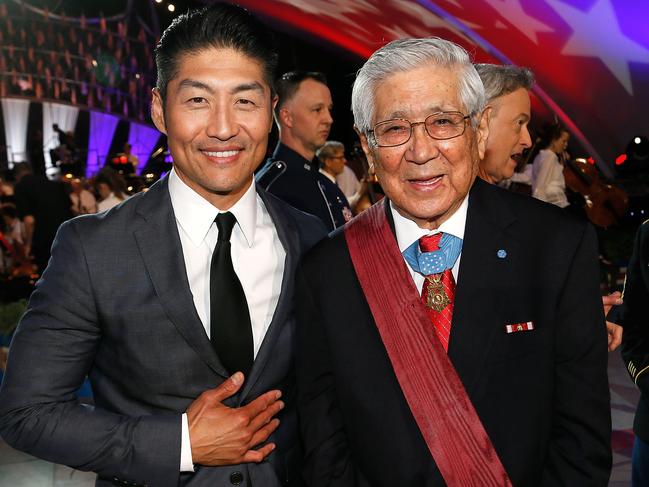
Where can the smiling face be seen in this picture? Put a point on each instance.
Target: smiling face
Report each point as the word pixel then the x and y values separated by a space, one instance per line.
pixel 217 116
pixel 508 135
pixel 426 179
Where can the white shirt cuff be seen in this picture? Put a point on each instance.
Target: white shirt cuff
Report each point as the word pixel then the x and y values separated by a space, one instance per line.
pixel 186 463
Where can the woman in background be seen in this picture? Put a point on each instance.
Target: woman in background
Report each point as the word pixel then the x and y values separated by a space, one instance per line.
pixel 548 183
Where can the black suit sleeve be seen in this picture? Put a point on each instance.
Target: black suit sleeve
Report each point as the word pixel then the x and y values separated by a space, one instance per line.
pixel 51 353
pixel 328 460
pixel 580 447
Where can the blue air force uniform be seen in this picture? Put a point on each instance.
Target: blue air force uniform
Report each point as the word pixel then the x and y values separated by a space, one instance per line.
pixel 292 178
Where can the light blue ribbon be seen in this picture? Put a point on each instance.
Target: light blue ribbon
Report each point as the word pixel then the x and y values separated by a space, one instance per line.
pixel 427 263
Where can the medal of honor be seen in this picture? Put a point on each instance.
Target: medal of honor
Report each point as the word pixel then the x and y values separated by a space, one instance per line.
pixel 436 298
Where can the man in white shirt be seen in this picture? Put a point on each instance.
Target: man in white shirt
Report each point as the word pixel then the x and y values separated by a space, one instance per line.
pixel 178 303
pixel 333 165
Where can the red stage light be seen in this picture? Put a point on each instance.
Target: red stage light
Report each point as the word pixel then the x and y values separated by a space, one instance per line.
pixel 590 160
pixel 619 160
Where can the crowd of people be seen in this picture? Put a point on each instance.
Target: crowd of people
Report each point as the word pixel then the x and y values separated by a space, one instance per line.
pixel 452 333
pixel 101 66
pixel 33 208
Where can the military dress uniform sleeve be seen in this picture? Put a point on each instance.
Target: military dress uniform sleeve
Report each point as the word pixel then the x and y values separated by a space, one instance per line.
pixel 634 315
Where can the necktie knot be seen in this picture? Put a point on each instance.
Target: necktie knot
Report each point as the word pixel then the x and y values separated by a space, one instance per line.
pixel 430 243
pixel 225 223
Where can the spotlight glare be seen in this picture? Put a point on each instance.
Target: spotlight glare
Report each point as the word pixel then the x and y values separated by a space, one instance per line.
pixel 637 140
pixel 158 1
pixel 171 7
pixel 94 63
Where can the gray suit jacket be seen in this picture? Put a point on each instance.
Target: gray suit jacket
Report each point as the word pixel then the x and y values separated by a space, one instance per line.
pixel 115 304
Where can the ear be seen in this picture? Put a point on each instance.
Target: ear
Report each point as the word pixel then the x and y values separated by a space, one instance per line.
pixel 482 131
pixel 286 117
pixel 369 153
pixel 273 104
pixel 157 111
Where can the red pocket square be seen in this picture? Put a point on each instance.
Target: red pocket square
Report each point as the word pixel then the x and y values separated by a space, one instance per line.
pixel 516 327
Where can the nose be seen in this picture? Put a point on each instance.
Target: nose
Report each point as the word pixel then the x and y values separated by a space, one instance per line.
pixel 525 139
pixel 222 124
pixel 422 147
pixel 327 117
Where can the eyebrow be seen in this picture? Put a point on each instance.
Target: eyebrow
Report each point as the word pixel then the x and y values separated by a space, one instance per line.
pixel 429 110
pixel 253 86
pixel 192 83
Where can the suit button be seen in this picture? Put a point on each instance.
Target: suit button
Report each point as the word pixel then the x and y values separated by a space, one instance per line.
pixel 236 478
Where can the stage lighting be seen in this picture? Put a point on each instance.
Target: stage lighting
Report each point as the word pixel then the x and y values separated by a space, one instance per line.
pixel 158 1
pixel 638 148
pixel 171 7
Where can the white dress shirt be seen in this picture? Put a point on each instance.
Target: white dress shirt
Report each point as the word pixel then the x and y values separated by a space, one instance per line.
pixel 257 257
pixel 407 232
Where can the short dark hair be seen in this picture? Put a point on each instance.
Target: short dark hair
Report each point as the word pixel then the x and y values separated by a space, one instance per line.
pixel 288 84
pixel 218 26
pixel 500 80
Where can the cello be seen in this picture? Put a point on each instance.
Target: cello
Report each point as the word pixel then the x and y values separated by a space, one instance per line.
pixel 604 203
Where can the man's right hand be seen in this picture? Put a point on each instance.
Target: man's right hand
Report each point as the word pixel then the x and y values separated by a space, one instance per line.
pixel 220 435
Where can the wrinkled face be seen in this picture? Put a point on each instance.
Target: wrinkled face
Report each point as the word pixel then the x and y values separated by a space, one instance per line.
pixel 217 116
pixel 308 114
pixel 426 179
pixel 336 163
pixel 508 135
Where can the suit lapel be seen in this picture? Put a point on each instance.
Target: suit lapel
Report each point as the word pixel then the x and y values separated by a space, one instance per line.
pixel 288 236
pixel 159 243
pixel 488 259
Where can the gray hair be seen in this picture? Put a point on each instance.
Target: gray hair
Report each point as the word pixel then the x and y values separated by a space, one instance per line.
pixel 328 149
pixel 500 80
pixel 408 54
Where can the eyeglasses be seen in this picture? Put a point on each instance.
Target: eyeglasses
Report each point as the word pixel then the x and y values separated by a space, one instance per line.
pixel 439 126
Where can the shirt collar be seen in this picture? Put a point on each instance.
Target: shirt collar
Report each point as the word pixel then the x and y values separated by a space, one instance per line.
pixel 328 176
pixel 195 214
pixel 407 231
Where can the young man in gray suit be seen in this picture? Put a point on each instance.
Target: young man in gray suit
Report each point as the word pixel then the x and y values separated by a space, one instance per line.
pixel 177 303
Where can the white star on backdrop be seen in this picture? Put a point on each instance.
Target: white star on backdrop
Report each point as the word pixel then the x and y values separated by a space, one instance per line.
pixel 513 11
pixel 596 33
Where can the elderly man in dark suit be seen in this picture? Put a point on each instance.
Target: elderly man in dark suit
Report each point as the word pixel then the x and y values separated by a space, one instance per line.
pixel 176 303
pixel 453 333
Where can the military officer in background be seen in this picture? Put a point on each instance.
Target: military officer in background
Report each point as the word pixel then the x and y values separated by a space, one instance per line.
pixel 303 115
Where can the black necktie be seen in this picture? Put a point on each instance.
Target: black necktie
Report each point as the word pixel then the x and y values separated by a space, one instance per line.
pixel 230 329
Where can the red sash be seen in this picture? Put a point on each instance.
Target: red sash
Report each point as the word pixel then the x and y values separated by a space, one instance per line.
pixel 444 413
